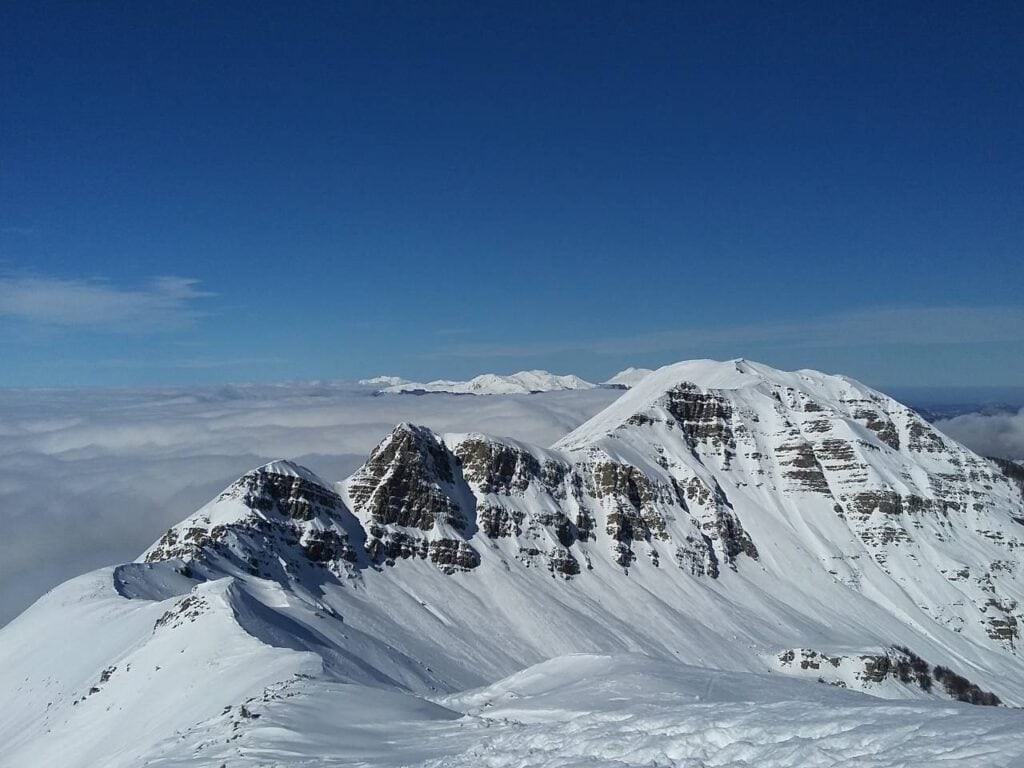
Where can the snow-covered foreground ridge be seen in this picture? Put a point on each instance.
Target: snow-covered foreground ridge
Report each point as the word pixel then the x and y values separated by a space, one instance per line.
pixel 718 543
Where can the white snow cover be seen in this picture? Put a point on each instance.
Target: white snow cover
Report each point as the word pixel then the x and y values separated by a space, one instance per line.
pixel 522 383
pixel 383 381
pixel 627 378
pixel 838 525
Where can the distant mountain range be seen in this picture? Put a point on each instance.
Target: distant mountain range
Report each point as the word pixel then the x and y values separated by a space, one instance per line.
pixel 522 383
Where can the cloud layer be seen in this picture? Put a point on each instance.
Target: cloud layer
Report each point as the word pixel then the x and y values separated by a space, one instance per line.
pixel 166 303
pixel 1000 434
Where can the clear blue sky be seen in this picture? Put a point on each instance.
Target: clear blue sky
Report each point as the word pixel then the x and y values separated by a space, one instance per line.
pixel 199 191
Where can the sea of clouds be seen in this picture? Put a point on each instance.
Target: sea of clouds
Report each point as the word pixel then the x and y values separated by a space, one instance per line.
pixel 990 434
pixel 92 477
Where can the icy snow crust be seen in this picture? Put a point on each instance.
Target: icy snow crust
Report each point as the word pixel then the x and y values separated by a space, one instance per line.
pixel 266 630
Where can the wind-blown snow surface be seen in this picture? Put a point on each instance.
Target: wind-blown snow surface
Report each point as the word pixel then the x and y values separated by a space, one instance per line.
pixel 522 383
pixel 713 543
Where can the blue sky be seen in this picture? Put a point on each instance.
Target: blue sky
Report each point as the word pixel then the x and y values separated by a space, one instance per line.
pixel 194 192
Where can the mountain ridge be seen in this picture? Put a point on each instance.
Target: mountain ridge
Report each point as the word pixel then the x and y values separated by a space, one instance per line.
pixel 719 514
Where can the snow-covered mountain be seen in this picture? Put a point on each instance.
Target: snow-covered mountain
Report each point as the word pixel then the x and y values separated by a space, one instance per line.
pixel 722 538
pixel 627 378
pixel 384 381
pixel 522 383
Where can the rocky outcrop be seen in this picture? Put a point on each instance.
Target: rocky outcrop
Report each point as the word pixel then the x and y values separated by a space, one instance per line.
pixel 801 467
pixel 274 522
pixel 527 496
pixel 896 664
pixel 632 502
pixel 704 417
pixel 414 502
pixel 407 481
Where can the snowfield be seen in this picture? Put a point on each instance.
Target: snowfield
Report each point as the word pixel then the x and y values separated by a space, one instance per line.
pixel 729 565
pixel 580 711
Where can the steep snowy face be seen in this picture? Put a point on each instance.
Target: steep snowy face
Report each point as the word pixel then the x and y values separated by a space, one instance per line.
pixel 627 378
pixel 525 497
pixel 856 480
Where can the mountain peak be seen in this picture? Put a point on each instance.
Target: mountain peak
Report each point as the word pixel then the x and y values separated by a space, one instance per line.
pixel 285 468
pixel 730 380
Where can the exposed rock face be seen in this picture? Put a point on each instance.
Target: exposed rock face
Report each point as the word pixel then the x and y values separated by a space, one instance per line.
pixel 273 522
pixel 704 417
pixel 896 664
pixel 499 468
pixel 527 497
pixel 406 482
pixel 802 467
pixel 411 496
pixel 632 503
pixel 877 421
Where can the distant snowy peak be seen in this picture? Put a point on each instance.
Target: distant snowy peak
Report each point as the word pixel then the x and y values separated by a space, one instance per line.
pixel 628 378
pixel 522 383
pixel 384 381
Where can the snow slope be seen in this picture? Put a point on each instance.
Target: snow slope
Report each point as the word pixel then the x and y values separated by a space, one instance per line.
pixel 627 378
pixel 717 543
pixel 522 383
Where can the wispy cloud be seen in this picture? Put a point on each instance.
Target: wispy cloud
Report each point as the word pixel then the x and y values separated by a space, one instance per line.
pixel 998 434
pixel 165 303
pixel 880 326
